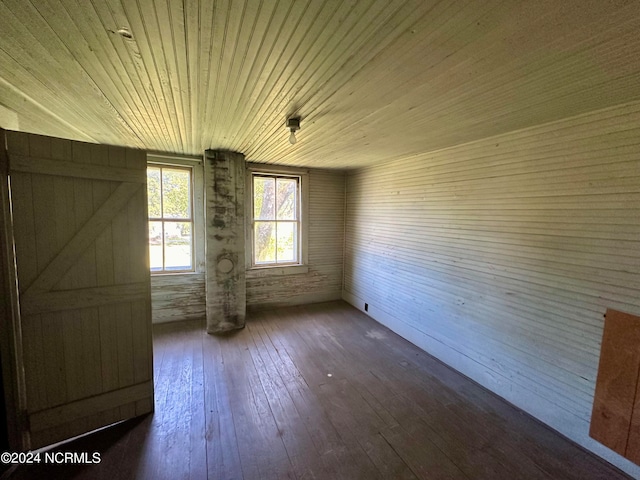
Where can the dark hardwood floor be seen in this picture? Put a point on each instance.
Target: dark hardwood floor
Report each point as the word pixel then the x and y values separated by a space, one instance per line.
pixel 319 391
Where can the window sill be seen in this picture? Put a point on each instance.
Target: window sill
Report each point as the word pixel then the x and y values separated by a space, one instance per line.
pixel 173 274
pixel 259 272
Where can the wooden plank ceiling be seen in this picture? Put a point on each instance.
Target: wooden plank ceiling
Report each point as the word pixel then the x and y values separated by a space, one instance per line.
pixel 373 80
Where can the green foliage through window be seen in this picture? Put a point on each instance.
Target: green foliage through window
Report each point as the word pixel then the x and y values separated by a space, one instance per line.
pixel 170 221
pixel 276 222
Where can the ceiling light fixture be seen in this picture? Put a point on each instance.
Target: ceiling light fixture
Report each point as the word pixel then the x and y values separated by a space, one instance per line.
pixel 293 124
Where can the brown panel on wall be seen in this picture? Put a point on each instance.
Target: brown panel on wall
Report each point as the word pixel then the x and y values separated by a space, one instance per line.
pixel 617 381
pixel 633 444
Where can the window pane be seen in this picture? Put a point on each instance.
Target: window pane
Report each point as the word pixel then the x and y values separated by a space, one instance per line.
pixel 265 242
pixel 176 193
pixel 264 193
pixel 177 245
pixel 153 192
pixel 287 244
pixel 286 198
pixel 155 246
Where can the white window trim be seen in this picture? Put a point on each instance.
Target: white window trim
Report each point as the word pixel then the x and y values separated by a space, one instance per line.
pixel 253 271
pixel 197 169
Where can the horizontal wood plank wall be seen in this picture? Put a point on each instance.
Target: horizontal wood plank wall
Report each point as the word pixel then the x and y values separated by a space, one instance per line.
pixel 323 282
pixel 177 297
pixel 501 256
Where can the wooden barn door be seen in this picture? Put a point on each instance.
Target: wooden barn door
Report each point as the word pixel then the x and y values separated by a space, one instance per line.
pixel 80 230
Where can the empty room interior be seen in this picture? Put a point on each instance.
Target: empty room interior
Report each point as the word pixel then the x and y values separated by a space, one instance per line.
pixel 331 239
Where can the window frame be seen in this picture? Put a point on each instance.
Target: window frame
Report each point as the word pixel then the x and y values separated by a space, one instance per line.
pixel 301 266
pixel 157 161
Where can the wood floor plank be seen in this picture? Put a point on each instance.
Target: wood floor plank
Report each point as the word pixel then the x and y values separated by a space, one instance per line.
pixel 260 404
pixel 423 458
pixel 223 458
pixel 341 453
pixel 167 441
pixel 360 424
pixel 351 415
pixel 298 443
pixel 317 424
pixel 197 407
pixel 263 454
pixel 440 414
pixel 410 400
pixel 175 418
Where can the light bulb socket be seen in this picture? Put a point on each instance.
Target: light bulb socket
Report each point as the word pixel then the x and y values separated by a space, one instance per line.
pixel 293 123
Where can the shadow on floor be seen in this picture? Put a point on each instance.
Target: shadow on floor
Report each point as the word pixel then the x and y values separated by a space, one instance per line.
pixel 116 445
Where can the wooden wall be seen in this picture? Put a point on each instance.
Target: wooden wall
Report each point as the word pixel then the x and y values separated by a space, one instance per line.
pixel 326 238
pixel 501 256
pixel 182 296
pixel 177 297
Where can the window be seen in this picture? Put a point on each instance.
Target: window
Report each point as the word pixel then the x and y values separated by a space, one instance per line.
pixel 276 220
pixel 170 198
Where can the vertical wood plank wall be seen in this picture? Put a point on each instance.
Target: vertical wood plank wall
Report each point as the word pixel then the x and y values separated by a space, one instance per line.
pixel 501 256
pixel 323 282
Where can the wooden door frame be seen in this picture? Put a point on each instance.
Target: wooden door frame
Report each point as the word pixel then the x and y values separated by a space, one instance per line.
pixel 10 327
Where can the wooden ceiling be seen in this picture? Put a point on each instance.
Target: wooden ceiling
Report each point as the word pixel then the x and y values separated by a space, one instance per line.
pixel 373 80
